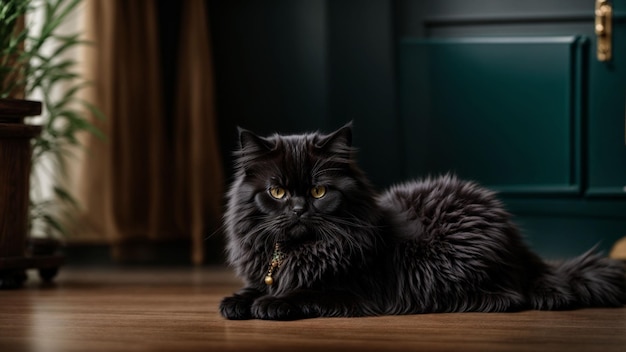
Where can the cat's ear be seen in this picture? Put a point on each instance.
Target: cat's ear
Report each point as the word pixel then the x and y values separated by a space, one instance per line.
pixel 250 143
pixel 338 142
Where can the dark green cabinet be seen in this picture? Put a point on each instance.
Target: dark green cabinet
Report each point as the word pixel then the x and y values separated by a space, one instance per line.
pixel 515 98
pixel 505 111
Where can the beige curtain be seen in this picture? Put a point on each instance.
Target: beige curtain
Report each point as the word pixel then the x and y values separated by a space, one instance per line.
pixel 146 182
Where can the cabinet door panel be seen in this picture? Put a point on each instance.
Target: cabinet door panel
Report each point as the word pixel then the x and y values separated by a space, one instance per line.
pixel 504 111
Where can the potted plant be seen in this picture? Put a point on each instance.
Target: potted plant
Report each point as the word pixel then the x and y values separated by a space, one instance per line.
pixel 27 69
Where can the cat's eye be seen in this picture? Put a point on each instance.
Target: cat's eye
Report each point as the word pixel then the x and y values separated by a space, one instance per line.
pixel 277 192
pixel 318 192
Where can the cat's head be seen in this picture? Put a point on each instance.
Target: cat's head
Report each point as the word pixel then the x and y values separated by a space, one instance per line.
pixel 296 188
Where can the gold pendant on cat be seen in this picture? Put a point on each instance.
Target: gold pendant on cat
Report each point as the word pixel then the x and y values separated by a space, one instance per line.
pixel 277 259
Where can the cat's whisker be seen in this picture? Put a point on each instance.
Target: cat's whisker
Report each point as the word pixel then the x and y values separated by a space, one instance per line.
pixel 318 173
pixel 220 229
pixel 354 223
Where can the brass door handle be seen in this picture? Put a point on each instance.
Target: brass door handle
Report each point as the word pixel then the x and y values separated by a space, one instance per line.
pixel 603 29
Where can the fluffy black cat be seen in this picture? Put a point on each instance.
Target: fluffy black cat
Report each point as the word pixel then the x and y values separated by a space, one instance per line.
pixel 310 237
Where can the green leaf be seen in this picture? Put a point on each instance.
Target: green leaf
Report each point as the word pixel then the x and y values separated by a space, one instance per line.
pixel 54 19
pixel 93 109
pixel 50 220
pixel 66 197
pixel 67 42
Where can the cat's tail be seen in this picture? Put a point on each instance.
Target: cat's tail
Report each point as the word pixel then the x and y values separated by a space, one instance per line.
pixel 590 280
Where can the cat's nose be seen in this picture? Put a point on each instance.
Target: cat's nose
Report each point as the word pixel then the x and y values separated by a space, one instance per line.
pixel 297 209
pixel 298 206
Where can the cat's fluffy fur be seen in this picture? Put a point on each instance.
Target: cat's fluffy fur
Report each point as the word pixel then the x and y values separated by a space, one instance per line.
pixel 435 245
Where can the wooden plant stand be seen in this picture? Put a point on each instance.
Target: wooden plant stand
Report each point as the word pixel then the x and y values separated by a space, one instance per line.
pixel 16 249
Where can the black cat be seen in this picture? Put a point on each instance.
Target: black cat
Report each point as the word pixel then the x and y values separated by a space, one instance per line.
pixel 311 238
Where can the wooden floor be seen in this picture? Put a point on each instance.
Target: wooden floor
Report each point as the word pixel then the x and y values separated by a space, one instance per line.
pixel 176 310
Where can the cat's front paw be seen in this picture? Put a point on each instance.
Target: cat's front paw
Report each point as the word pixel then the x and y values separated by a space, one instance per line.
pixel 276 308
pixel 236 308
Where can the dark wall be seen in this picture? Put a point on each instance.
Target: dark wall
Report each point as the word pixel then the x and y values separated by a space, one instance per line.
pixel 270 67
pixel 293 66
pixel 361 83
